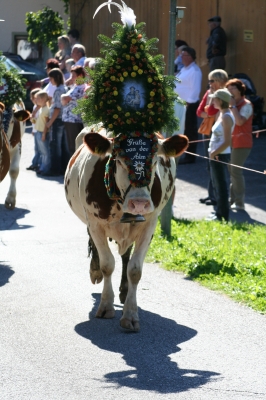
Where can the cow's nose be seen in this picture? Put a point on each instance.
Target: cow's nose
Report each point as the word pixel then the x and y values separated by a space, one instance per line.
pixel 138 206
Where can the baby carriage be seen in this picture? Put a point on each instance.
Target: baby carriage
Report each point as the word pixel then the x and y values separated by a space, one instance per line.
pixel 257 101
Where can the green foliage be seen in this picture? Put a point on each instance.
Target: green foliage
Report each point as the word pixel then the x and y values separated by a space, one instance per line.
pixel 44 27
pixel 66 6
pixel 12 85
pixel 128 61
pixel 226 257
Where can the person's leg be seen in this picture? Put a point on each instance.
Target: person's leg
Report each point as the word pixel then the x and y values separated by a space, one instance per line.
pixel 237 186
pixel 46 158
pixel 191 130
pixel 219 176
pixel 217 63
pixel 72 131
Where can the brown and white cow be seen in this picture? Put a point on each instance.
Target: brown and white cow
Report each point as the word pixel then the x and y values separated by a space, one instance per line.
pixel 87 195
pixel 10 148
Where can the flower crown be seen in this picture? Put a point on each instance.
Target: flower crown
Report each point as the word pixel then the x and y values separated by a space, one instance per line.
pixel 129 91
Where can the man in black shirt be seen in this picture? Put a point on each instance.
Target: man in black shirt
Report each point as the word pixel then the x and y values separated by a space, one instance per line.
pixel 216 44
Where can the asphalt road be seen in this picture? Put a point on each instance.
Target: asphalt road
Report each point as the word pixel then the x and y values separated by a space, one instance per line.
pixel 193 343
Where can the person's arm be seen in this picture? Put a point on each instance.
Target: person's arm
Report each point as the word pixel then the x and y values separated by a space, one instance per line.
pixel 227 126
pixel 45 130
pixel 65 99
pixel 200 110
pixel 240 119
pixel 53 118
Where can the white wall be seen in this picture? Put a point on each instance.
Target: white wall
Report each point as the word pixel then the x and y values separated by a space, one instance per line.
pixel 14 14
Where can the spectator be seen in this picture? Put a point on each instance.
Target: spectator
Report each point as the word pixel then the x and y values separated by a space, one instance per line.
pixel 72 121
pixel 189 89
pixel 217 80
pixel 51 63
pixel 64 52
pixel 69 64
pixel 73 36
pixel 78 54
pixel 178 48
pixel 41 134
pixel 58 143
pixel 241 141
pixel 216 44
pixel 37 155
pixel 219 150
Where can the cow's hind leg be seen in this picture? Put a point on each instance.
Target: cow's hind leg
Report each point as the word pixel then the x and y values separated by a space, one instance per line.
pixel 15 155
pixel 123 289
pixel 95 272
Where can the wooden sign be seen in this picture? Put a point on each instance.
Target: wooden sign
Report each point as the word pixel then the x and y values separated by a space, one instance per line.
pixel 248 36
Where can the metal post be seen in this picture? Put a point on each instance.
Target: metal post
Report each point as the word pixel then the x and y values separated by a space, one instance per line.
pixel 166 214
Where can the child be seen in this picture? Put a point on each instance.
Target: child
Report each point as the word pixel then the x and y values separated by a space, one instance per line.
pixel 36 159
pixel 41 134
pixel 69 64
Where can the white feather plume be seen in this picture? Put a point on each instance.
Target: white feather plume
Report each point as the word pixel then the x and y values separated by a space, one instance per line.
pixel 127 14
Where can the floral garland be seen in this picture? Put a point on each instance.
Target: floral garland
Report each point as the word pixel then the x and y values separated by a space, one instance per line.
pixel 127 63
pixel 135 181
pixel 12 88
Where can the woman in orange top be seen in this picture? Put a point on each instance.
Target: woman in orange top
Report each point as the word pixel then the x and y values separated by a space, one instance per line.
pixel 241 141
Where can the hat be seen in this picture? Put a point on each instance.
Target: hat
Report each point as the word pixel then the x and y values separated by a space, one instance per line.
pixel 222 94
pixel 215 19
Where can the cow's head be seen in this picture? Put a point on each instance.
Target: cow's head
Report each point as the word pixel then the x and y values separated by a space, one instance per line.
pixel 131 168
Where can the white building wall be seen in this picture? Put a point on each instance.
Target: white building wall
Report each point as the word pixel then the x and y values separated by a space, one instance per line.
pixel 14 14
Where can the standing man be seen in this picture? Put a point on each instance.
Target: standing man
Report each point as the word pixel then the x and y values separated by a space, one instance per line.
pixel 216 44
pixel 189 90
pixel 73 36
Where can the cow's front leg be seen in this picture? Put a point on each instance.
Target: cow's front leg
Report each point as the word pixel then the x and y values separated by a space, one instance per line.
pixel 107 265
pixel 123 288
pixel 15 155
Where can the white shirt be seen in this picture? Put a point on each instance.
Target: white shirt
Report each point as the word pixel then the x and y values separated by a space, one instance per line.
pixel 80 62
pixel 50 89
pixel 190 86
pixel 217 137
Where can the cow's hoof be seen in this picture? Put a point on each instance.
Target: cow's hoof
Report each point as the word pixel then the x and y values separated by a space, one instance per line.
pixel 96 275
pixel 10 205
pixel 129 325
pixel 103 312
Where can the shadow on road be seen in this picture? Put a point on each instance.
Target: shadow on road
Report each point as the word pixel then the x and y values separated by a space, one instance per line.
pixel 5 273
pixel 147 353
pixel 9 218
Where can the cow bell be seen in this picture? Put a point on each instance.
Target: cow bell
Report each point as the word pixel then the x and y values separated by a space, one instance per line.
pixel 126 217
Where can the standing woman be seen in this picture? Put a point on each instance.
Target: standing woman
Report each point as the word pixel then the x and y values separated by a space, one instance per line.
pixel 241 141
pixel 64 52
pixel 219 150
pixel 73 122
pixel 58 143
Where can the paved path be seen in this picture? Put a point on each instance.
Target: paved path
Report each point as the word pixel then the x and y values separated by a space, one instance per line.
pixel 193 343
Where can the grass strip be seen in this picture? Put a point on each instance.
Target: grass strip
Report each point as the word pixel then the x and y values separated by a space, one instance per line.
pixel 228 257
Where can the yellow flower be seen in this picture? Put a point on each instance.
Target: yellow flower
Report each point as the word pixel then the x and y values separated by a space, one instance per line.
pixel 101 90
pixel 115 116
pixel 125 74
pixel 133 41
pixel 137 55
pixel 101 103
pixel 115 93
pixel 96 108
pixel 135 67
pixel 127 114
pixel 133 74
pixel 141 46
pixel 106 75
pixel 124 46
pixel 119 108
pixel 110 126
pixel 128 57
pixel 128 121
pixel 121 79
pixel 150 105
pixel 150 80
pixel 152 94
pixel 112 78
pixel 143 123
pixel 140 71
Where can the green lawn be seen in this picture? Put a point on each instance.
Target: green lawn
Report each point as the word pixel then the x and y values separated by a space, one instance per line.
pixel 228 257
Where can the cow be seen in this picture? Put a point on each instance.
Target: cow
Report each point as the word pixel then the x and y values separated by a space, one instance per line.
pixel 10 147
pixel 111 204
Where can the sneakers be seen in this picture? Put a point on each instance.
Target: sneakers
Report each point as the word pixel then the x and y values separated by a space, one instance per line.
pixel 212 217
pixel 32 168
pixel 236 207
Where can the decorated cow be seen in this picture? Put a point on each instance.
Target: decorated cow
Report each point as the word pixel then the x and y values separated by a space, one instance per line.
pixel 12 126
pixel 123 173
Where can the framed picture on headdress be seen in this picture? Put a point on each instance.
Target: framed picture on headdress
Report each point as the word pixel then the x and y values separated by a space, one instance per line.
pixel 134 95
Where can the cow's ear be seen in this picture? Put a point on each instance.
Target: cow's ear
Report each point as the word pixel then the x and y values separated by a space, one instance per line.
pixel 2 106
pixel 97 143
pixel 173 146
pixel 22 115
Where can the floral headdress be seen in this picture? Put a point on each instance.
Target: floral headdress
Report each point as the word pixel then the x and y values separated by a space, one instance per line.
pixel 129 91
pixel 12 88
